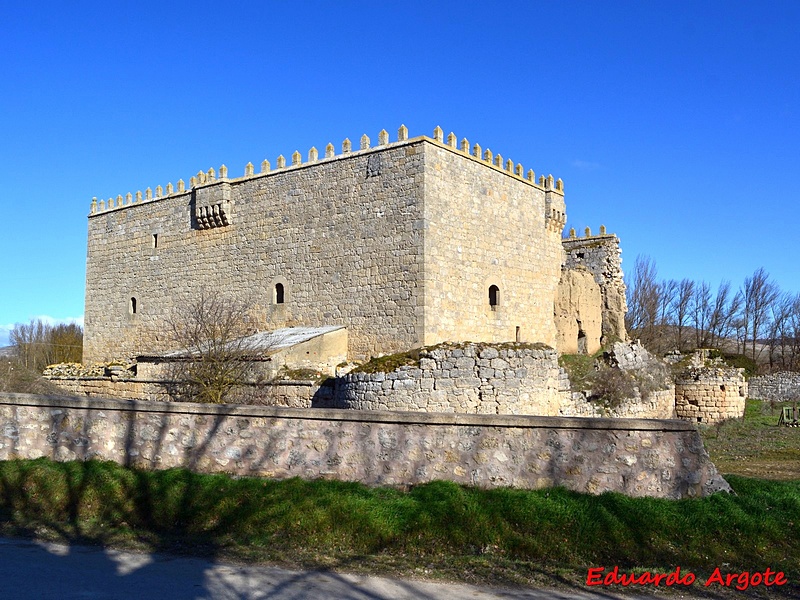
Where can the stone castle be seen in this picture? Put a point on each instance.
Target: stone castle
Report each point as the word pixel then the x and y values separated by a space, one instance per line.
pixel 424 241
pixel 403 243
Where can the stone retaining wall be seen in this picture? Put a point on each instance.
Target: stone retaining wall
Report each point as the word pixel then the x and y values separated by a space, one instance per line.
pixel 634 456
pixel 780 387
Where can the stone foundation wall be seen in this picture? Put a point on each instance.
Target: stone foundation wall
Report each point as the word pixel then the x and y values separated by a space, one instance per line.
pixel 296 394
pixel 637 457
pixel 469 378
pixel 780 387
pixel 710 394
pixel 657 405
pixel 106 387
pixel 472 379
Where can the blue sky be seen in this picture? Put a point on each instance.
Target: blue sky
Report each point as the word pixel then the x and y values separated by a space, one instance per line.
pixel 675 124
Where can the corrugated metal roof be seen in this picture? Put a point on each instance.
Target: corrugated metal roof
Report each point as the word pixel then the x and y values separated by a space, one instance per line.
pixel 286 337
pixel 265 342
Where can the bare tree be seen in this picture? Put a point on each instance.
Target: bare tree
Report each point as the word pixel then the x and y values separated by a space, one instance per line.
pixel 759 315
pixel 667 294
pixel 700 312
pixel 39 344
pixel 723 315
pixel 779 332
pixel 680 309
pixel 758 294
pixel 644 298
pixel 793 332
pixel 213 353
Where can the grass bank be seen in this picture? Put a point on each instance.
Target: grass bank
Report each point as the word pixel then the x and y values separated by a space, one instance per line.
pixel 438 529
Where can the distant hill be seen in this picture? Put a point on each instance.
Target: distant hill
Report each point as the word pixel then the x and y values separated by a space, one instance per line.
pixel 7 351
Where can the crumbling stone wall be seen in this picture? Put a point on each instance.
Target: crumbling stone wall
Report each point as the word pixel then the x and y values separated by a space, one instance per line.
pixel 601 255
pixel 779 387
pixel 578 312
pixel 655 401
pixel 493 379
pixel 658 404
pixel 710 394
pixel 473 378
pixel 637 457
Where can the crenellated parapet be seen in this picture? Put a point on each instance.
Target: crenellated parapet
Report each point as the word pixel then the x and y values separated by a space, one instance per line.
pixel 211 209
pixel 587 233
pixel 130 199
pixel 555 215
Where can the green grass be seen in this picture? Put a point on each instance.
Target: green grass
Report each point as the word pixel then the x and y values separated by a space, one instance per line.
pixel 755 446
pixel 451 531
pixel 580 368
pixel 390 362
pixel 439 529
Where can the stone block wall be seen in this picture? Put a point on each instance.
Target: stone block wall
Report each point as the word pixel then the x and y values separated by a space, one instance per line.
pixel 780 387
pixel 710 394
pixel 636 457
pixel 485 226
pixel 346 247
pixel 659 404
pixel 495 379
pixel 294 394
pixel 507 379
pixel 364 239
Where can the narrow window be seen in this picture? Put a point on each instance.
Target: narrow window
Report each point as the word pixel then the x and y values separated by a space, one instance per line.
pixel 278 293
pixel 494 296
pixel 155 240
pixel 132 306
pixel 518 336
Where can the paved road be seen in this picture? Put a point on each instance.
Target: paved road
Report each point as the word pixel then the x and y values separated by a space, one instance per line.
pixel 40 570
